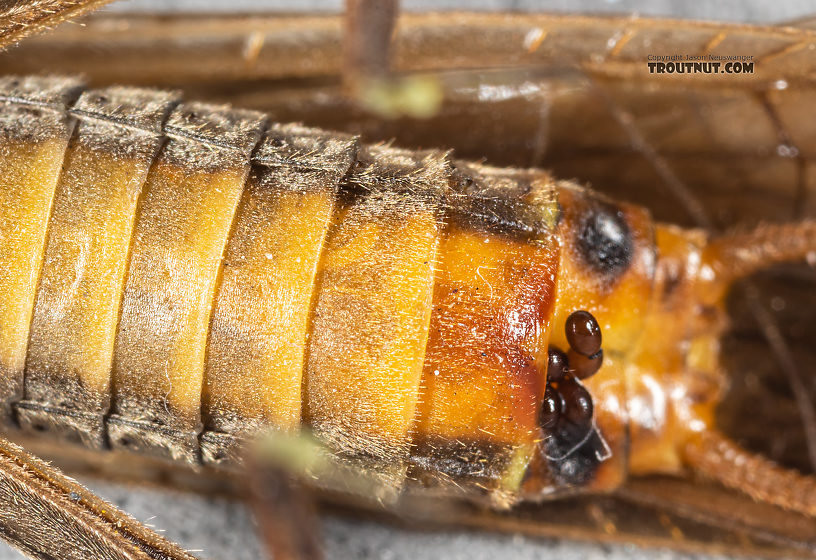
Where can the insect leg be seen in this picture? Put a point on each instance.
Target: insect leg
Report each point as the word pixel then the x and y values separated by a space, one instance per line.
pixel 47 515
pixel 20 19
pixel 726 259
pixel 285 513
pixel 714 455
pixel 367 78
pixel 369 26
pixel 734 256
pixel 738 255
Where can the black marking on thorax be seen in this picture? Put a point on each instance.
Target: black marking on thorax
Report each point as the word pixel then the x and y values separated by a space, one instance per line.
pixel 604 240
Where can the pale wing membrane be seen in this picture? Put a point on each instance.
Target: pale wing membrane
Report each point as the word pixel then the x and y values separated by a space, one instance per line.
pixel 671 513
pixel 245 48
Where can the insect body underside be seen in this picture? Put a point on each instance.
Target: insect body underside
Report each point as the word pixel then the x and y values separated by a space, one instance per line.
pixel 178 277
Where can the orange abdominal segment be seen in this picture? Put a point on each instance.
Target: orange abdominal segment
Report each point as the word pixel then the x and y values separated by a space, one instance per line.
pixel 483 368
pixel 483 377
pixel 484 373
pixel 185 216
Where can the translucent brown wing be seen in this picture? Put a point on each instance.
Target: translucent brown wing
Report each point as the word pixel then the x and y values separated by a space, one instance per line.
pixel 566 93
pixel 520 90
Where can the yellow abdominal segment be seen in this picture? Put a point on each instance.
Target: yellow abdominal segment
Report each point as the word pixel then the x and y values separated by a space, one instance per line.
pixel 179 237
pixel 28 176
pixel 260 320
pixel 371 324
pixel 83 271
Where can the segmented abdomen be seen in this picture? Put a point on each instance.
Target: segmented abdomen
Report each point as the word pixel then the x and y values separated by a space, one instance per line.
pixel 178 276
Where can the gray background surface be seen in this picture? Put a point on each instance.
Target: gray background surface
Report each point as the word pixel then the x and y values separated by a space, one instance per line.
pixel 728 10
pixel 219 528
pixel 223 529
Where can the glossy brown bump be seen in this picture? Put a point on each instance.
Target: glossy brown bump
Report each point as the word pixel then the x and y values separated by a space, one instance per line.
pixel 584 366
pixel 550 409
pixel 577 403
pixel 583 333
pixel 557 365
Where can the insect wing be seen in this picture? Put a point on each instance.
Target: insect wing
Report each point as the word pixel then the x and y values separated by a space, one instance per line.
pixel 554 94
